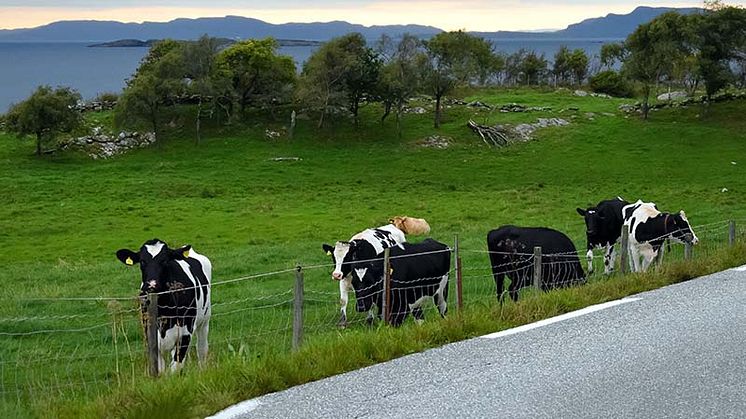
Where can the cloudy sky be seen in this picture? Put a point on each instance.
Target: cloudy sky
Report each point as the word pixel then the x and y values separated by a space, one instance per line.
pixel 488 15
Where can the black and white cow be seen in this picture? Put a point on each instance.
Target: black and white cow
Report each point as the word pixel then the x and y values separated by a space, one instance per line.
pixel 419 272
pixel 368 244
pixel 181 277
pixel 603 228
pixel 511 253
pixel 649 229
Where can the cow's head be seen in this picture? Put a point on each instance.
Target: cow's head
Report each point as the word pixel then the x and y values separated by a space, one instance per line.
pixel 367 280
pixel 154 257
pixel 593 220
pixel 680 228
pixel 343 254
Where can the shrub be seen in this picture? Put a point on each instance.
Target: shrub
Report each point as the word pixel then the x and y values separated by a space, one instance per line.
pixel 611 83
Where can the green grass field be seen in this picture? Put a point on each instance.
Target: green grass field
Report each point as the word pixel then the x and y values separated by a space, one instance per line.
pixel 64 216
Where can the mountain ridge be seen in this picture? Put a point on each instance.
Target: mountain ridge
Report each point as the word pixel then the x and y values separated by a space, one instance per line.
pixel 611 26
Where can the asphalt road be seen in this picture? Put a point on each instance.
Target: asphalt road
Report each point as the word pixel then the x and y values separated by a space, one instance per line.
pixel 679 351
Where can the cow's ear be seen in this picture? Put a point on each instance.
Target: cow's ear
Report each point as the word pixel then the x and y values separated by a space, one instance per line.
pixel 581 211
pixel 182 252
pixel 327 249
pixel 128 257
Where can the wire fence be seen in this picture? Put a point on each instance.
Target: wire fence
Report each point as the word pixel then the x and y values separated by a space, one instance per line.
pixel 72 346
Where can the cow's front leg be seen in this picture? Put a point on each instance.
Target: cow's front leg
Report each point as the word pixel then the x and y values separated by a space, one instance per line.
pixel 344 287
pixel 180 353
pixel 648 256
pixel 609 259
pixel 589 258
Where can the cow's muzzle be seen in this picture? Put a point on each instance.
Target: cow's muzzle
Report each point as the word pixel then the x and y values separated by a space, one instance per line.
pixel 337 276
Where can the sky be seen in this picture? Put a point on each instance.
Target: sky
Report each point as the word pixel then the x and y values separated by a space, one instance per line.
pixel 472 15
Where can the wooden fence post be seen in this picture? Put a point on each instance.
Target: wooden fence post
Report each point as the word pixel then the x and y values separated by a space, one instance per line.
pixel 688 251
pixel 732 233
pixel 298 309
pixel 151 331
pixel 537 268
pixel 459 278
pixel 386 309
pixel 624 250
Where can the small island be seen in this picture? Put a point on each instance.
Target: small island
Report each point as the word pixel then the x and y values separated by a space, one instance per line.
pixel 136 43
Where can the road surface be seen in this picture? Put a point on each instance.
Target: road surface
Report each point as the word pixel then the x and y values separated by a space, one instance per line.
pixel 679 351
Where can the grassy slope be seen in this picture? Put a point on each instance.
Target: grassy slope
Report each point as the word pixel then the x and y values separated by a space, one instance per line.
pixel 63 217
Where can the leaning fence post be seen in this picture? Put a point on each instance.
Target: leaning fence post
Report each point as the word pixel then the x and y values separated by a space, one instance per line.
pixel 386 309
pixel 459 279
pixel 298 309
pixel 688 251
pixel 537 268
pixel 731 233
pixel 624 250
pixel 151 331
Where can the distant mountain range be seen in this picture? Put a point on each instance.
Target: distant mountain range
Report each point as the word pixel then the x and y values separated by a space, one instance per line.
pixel 611 26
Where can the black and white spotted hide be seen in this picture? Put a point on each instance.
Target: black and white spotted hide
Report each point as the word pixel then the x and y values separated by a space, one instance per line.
pixel 181 278
pixel 367 244
pixel 603 225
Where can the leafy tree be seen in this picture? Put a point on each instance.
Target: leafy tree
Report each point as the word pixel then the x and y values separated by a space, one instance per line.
pixel 653 49
pixel 151 90
pixel 514 66
pixel 339 75
pixel 455 58
pixel 533 67
pixel 561 67
pixel 578 65
pixel 399 77
pixel 204 77
pixel 721 40
pixel 156 52
pixel 612 53
pixel 259 76
pixel 45 114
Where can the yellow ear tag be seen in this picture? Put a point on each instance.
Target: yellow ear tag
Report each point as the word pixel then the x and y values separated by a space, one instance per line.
pixel 328 253
pixel 186 254
pixel 129 261
pixel 391 271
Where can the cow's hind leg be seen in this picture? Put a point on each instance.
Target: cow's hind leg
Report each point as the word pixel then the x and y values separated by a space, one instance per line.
pixel 441 296
pixel 202 345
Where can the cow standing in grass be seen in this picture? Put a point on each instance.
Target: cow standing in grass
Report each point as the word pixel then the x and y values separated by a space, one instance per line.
pixel 419 273
pixel 603 224
pixel 367 244
pixel 650 228
pixel 511 251
pixel 181 278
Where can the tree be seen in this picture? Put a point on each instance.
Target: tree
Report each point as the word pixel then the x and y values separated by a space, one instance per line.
pixel 653 49
pixel 578 65
pixel 339 75
pixel 455 58
pixel 561 68
pixel 151 90
pixel 721 38
pixel 156 52
pixel 204 77
pixel 533 67
pixel 399 77
pixel 45 114
pixel 259 76
pixel 611 54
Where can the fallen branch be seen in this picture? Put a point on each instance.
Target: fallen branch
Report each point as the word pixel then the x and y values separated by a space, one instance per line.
pixel 492 136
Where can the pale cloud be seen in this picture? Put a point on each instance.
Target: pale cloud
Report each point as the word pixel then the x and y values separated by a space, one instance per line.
pixel 473 15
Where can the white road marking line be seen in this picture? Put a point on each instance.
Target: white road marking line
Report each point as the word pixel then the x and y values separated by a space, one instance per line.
pixel 559 318
pixel 235 410
pixel 740 268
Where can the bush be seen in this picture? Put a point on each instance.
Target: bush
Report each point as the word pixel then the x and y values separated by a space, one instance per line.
pixel 611 83
pixel 107 97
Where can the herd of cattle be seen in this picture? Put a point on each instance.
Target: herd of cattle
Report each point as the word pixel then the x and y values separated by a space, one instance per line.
pixel 419 272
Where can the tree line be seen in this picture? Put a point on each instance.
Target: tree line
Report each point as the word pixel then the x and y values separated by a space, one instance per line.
pixel 702 50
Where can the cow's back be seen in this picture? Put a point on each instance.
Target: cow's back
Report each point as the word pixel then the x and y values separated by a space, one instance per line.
pixel 522 240
pixel 428 259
